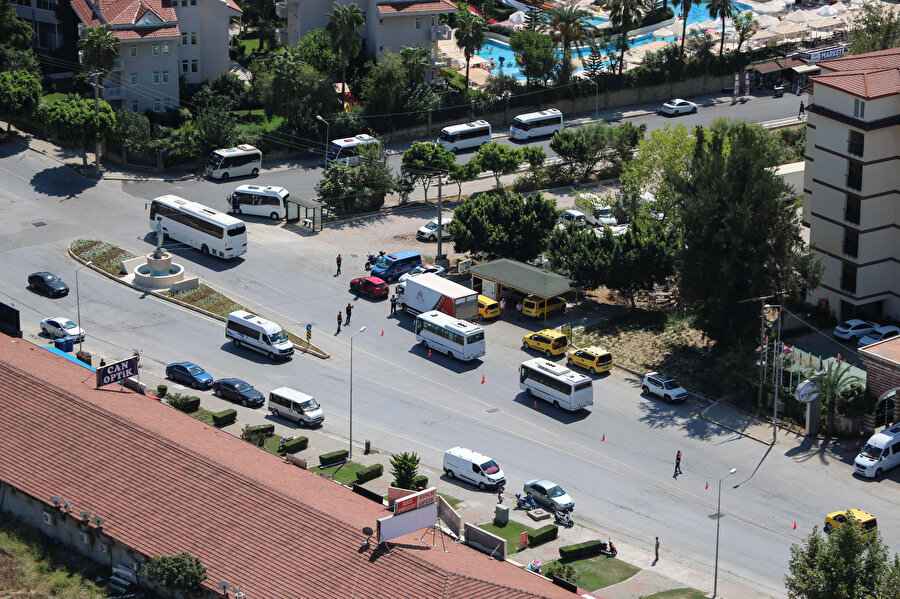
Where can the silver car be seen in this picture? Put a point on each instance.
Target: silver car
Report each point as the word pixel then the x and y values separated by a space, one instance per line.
pixel 60 326
pixel 550 495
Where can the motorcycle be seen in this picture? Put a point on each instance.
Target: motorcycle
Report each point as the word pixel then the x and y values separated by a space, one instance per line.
pixel 526 503
pixel 564 518
pixel 608 548
pixel 371 259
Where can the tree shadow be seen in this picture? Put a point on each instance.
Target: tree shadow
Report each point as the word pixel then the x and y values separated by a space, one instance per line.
pixel 61 182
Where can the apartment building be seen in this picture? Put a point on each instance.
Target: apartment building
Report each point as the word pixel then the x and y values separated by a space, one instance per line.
pixel 160 41
pixel 851 185
pixel 389 25
pixel 42 16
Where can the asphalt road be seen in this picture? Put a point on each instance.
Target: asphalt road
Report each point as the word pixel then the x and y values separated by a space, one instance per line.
pixel 404 401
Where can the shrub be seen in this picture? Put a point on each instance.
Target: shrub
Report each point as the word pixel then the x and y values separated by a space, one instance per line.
pixel 543 534
pixel 161 390
pixel 184 403
pixel 405 468
pixel 192 404
pixel 370 473
pixel 266 429
pixel 294 445
pixel 586 549
pixel 567 572
pixel 420 481
pixel 326 459
pixel 225 417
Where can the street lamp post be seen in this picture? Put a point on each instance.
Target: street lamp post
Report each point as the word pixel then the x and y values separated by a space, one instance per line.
pixel 718 520
pixel 361 329
pixel 327 131
pixel 777 357
pixel 78 303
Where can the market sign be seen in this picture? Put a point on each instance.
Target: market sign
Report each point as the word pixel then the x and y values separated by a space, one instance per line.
pixel 117 371
pixel 823 54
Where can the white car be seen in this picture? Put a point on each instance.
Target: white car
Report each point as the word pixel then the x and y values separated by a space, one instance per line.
pixel 679 106
pixel 60 326
pixel 663 386
pixel 423 268
pixel 854 329
pixel 428 231
pixel 879 334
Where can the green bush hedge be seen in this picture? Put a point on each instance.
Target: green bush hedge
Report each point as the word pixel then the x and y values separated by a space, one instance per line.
pixel 161 390
pixel 183 402
pixel 420 481
pixel 370 473
pixel 192 404
pixel 543 534
pixel 586 549
pixel 334 457
pixel 294 445
pixel 266 429
pixel 225 417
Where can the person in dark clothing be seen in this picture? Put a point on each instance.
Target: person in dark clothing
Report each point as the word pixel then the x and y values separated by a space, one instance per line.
pixel 340 321
pixel 349 310
pixel 678 463
pixel 393 305
pixel 500 494
pixel 802 112
pixel 338 260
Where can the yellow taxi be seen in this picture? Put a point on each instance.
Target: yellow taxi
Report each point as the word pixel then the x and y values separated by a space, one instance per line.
pixel 487 308
pixel 595 359
pixel 552 343
pixel 867 522
pixel 538 307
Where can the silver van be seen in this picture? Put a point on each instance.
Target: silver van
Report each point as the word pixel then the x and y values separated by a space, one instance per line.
pixel 473 467
pixel 288 403
pixel 880 454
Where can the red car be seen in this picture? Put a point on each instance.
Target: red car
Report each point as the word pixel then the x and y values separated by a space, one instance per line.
pixel 371 286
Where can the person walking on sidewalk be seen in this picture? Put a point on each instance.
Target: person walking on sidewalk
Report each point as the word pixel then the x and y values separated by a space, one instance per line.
pixel 338 260
pixel 678 463
pixel 657 550
pixel 393 304
pixel 502 306
pixel 500 494
pixel 519 310
pixel 340 319
pixel 802 112
pixel 349 310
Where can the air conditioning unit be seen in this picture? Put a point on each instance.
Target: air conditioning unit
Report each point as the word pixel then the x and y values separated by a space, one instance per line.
pixel 104 547
pixel 48 518
pixel 85 537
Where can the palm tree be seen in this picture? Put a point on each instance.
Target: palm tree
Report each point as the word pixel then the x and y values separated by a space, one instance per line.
pixel 569 26
pixel 343 27
pixel 721 9
pixel 625 15
pixel 100 47
pixel 469 36
pixel 416 61
pixel 685 9
pixel 830 383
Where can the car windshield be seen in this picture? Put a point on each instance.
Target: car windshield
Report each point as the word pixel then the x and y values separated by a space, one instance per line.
pixel 603 212
pixel 556 491
pixel 309 404
pixel 870 451
pixel 671 384
pixel 195 370
pixel 383 262
pixel 490 467
pixel 242 387
pixel 69 325
pixel 431 226
pixel 279 337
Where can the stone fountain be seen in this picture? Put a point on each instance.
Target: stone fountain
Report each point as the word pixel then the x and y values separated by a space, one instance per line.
pixel 159 272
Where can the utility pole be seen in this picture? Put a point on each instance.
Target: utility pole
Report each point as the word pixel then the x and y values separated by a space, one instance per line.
pixel 96 75
pixel 440 235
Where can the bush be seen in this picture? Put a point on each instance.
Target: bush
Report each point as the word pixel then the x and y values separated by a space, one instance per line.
pixel 543 534
pixel 225 417
pixel 326 459
pixel 586 549
pixel 294 445
pixel 420 481
pixel 260 429
pixel 370 473
pixel 161 390
pixel 183 402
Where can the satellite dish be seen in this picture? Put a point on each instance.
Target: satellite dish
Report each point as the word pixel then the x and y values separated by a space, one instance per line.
pixel 66 504
pixel 85 515
pixel 56 499
pixel 224 584
pixel 367 530
pixel 98 521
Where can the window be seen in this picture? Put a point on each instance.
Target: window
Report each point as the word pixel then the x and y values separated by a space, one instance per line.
pixel 848 277
pixel 155 48
pixel 134 106
pixel 157 105
pixel 856 143
pixel 165 77
pixel 184 66
pixel 164 46
pixel 134 79
pixel 859 109
pixel 854 175
pixel 194 66
pixel 193 38
pixel 184 39
pixel 852 209
pixel 133 50
pixel 155 77
pixel 851 243
pixel 433 22
pixel 193 2
pixel 45 4
pixel 418 22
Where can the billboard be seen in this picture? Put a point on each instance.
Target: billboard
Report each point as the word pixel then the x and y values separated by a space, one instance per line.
pixel 414 501
pixel 117 371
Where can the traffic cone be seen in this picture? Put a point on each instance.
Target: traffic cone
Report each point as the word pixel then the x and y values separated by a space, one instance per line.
pixel 482 379
pixel 795 525
pixel 429 352
pixel 707 485
pixel 382 332
pixel 604 437
pixel 535 404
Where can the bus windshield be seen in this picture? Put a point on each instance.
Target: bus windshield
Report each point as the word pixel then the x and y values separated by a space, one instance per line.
pixel 446 136
pixel 214 160
pixel 279 337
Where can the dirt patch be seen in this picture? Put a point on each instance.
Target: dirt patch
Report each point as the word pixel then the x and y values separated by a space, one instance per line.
pixel 10 574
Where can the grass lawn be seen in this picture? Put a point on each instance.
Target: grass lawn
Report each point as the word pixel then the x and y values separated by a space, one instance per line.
pixel 344 473
pixel 250 44
pixel 256 121
pixel 599 572
pixel 203 415
pixel 453 501
pixel 677 594
pixel 510 532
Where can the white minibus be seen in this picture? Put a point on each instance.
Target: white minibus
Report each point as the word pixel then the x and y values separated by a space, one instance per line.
pixel 258 334
pixel 199 226
pixel 467 135
pixel 557 384
pixel 258 200
pixel 234 162
pixel 347 149
pixel 456 338
pixel 536 124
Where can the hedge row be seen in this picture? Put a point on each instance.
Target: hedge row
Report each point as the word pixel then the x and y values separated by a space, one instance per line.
pixel 326 459
pixel 369 473
pixel 586 549
pixel 225 417
pixel 183 402
pixel 294 445
pixel 543 534
pixel 266 429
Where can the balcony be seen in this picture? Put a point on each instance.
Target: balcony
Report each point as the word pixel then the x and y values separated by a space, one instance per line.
pixel 281 10
pixel 440 32
pixel 113 92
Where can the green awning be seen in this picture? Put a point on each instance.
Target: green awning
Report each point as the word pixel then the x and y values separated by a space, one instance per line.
pixel 524 277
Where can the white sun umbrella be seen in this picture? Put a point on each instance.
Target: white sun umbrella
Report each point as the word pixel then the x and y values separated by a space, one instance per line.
pixel 802 16
pixel 769 8
pixel 788 29
pixel 827 11
pixel 710 24
pixel 826 23
pixel 664 32
pixel 517 17
pixel 694 28
pixel 766 21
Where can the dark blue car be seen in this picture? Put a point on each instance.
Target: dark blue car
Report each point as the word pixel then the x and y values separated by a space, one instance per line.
pixel 239 391
pixel 189 374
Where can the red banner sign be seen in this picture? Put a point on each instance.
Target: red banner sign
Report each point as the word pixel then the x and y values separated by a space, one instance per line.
pixel 414 501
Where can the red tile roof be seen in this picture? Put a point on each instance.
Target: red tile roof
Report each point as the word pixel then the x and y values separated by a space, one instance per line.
pixel 869 85
pixel 166 483
pixel 432 7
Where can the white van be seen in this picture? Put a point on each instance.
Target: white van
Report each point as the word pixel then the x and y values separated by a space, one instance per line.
pixel 467 135
pixel 347 149
pixel 536 124
pixel 259 334
pixel 285 402
pixel 473 467
pixel 880 454
pixel 234 162
pixel 258 200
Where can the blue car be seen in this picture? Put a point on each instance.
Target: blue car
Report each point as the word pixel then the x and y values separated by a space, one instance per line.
pixel 189 374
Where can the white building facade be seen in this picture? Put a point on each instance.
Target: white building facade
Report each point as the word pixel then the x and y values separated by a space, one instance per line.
pixel 42 16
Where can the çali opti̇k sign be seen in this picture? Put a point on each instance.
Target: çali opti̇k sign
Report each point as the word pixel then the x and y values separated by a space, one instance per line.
pixel 117 371
pixel 414 501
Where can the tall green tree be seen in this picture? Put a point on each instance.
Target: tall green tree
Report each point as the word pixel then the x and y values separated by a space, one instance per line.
pixel 338 187
pixel 745 24
pixel 685 6
pixel 582 252
pixel 581 150
pixel 15 38
pixel 180 572
pixel 873 28
pixel 384 86
pixel 375 178
pixel 416 61
pixel 72 123
pixel 626 15
pixel 643 256
pixel 343 27
pixel 469 35
pixel 569 27
pixel 132 130
pixel 721 9
pixel 740 234
pixel 534 54
pixel 422 162
pixel 100 47
pixel 843 565
pixel 831 383
pixel 509 226
pixel 20 95
pixel 498 158
pixel 317 50
pixel 404 469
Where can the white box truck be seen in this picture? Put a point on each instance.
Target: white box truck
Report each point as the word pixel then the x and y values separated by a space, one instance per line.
pixel 427 291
